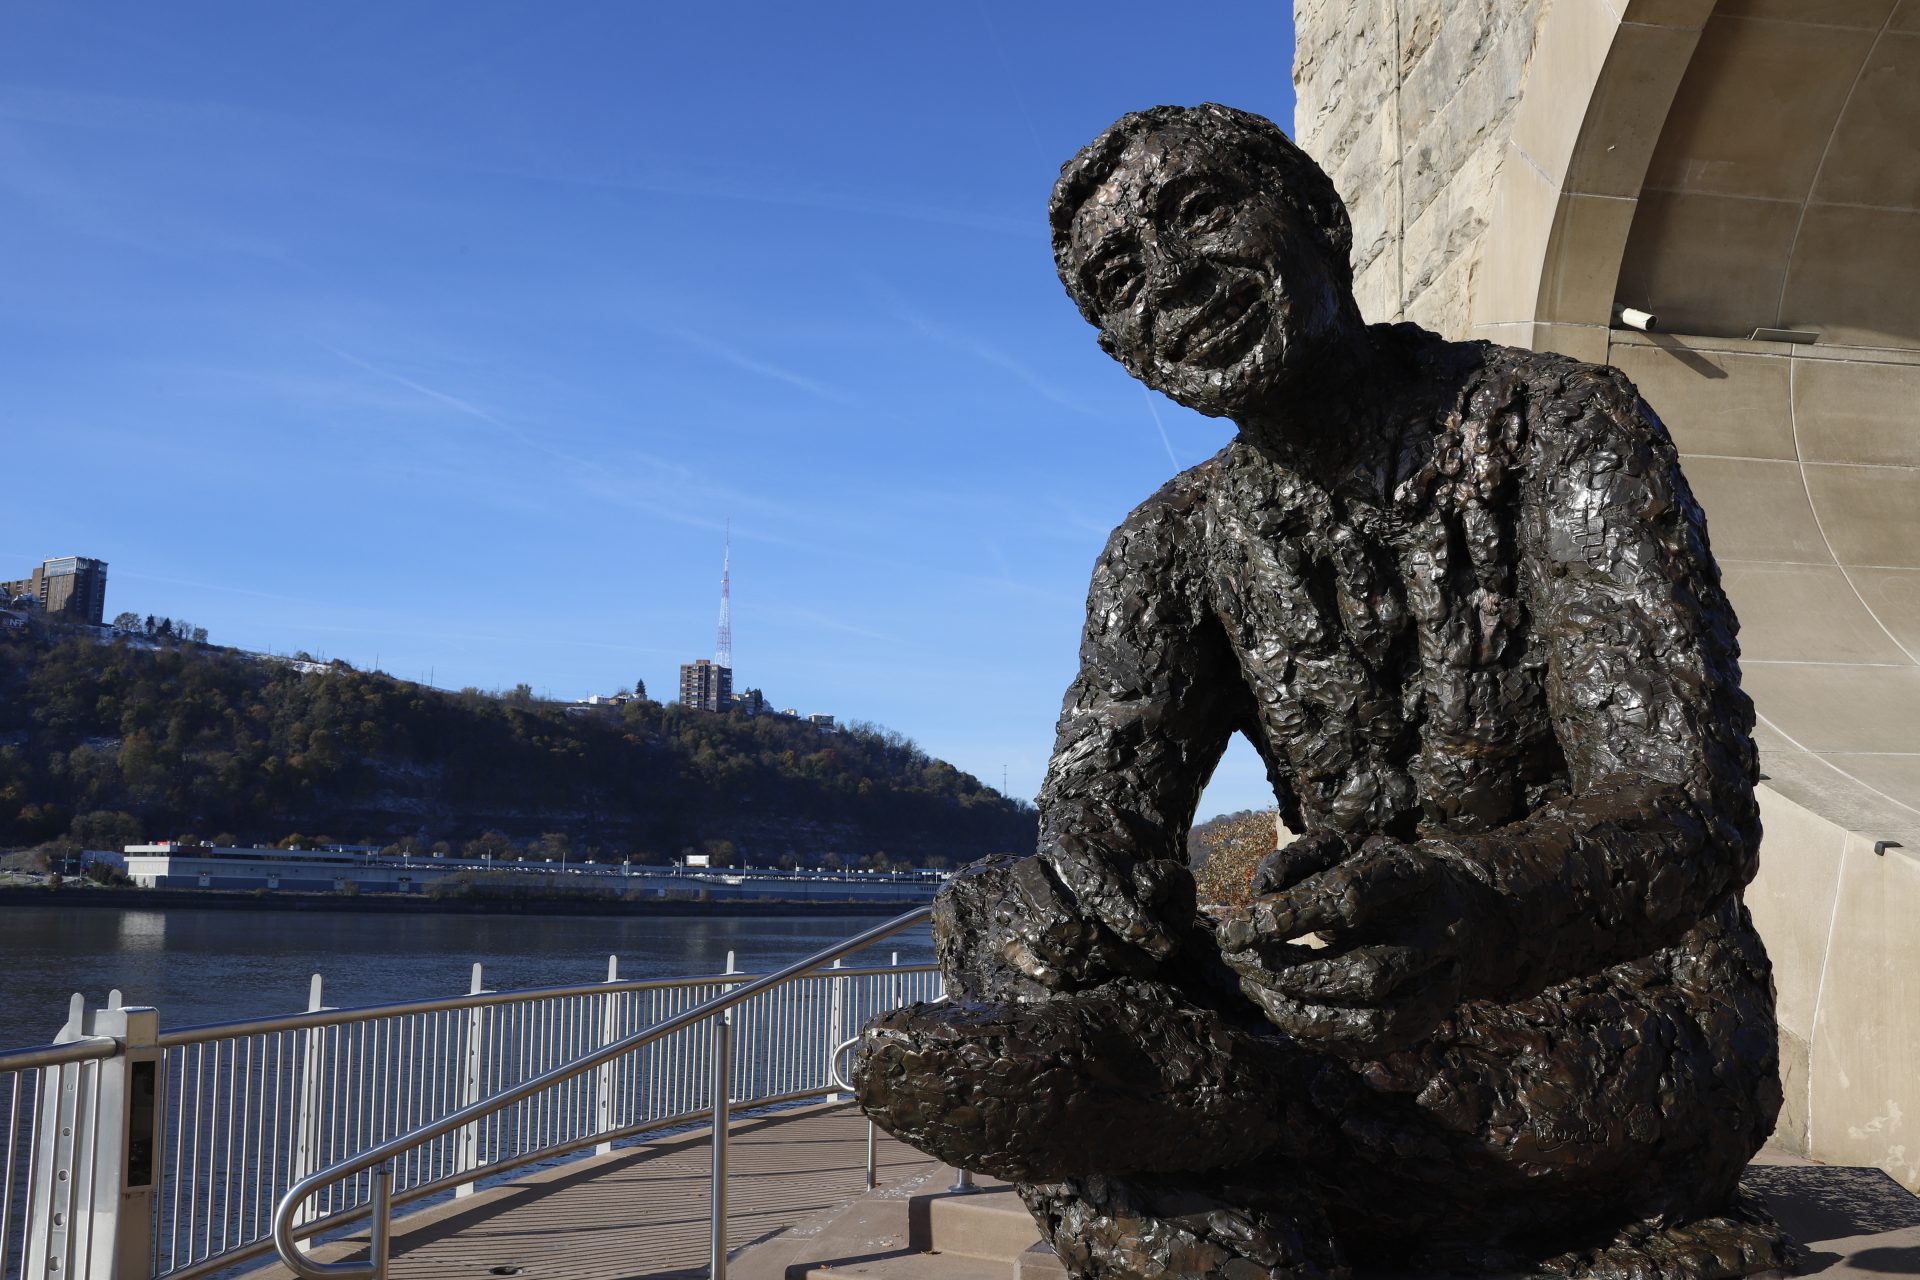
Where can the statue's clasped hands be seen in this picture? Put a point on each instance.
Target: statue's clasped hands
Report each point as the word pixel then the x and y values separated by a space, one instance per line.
pixel 1406 930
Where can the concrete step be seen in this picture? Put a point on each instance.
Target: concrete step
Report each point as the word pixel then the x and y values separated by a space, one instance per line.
pixel 989 1223
pixel 1039 1263
pixel 911 1266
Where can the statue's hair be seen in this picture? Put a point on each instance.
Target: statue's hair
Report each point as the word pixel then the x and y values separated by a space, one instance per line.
pixel 1279 168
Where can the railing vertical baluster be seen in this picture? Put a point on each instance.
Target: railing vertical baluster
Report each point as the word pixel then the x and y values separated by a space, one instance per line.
pixel 88 1193
pixel 250 1169
pixel 178 1069
pixel 226 1161
pixel 6 1174
pixel 271 1132
pixel 199 1135
pixel 722 1059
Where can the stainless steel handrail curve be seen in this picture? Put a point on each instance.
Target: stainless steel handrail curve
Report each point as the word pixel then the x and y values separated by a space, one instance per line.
pixel 285 1242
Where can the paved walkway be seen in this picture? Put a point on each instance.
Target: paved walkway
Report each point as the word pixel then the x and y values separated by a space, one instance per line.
pixel 798 1196
pixel 643 1211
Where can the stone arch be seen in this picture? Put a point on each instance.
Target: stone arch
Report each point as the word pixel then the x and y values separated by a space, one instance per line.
pixel 1597 93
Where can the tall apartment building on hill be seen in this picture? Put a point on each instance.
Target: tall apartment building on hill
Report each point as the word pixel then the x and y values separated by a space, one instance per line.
pixel 73 588
pixel 706 685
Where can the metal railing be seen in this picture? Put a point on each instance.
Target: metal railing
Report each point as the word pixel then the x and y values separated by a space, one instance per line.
pixel 196 1134
pixel 711 1021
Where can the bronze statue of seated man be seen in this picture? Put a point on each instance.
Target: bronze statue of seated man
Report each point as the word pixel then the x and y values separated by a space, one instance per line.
pixel 1460 599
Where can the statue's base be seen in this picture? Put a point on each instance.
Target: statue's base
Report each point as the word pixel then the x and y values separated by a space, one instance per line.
pixel 1856 1223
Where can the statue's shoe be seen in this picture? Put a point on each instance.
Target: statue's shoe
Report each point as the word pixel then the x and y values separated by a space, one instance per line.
pixel 1743 1241
pixel 1123 1078
pixel 1230 1225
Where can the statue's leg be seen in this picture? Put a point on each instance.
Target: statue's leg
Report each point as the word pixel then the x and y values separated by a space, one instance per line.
pixel 1064 1092
pixel 1125 1078
pixel 1015 1080
pixel 1599 1128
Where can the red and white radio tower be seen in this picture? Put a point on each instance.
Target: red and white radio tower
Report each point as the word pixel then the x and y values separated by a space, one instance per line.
pixel 723 642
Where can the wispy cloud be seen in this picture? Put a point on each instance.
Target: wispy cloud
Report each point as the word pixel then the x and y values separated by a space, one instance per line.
pixel 988 353
pixel 764 189
pixel 741 360
pixel 1014 92
pixel 829 622
pixel 88 202
pixel 1158 425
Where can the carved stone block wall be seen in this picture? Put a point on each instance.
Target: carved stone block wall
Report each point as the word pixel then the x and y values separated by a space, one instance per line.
pixel 1408 104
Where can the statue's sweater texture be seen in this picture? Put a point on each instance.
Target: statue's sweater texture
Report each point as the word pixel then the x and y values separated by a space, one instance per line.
pixel 1508 644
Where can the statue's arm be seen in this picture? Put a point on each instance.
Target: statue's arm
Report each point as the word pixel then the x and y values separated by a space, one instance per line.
pixel 1644 691
pixel 1659 820
pixel 1144 723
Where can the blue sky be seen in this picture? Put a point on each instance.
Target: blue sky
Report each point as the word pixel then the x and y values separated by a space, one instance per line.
pixel 448 337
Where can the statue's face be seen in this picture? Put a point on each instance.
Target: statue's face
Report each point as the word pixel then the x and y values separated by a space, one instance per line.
pixel 1203 286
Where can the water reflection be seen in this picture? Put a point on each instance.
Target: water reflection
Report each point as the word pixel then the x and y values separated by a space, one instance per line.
pixel 142 930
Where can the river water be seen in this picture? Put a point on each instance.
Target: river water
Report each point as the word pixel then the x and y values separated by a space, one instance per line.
pixel 199 966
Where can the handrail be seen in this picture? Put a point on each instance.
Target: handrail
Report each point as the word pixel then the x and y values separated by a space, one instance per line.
pixel 85 1049
pixel 376 1157
pixel 306 1021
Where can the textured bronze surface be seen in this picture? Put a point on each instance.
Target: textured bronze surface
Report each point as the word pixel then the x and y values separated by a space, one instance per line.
pixel 1461 600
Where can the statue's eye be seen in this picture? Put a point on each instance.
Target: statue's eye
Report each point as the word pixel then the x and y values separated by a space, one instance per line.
pixel 1114 281
pixel 1204 211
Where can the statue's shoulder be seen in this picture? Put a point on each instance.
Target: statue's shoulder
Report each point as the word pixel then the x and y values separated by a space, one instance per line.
pixel 1567 405
pixel 1181 498
pixel 1167 524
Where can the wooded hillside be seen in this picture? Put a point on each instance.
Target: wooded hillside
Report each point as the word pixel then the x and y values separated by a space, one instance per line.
pixel 116 742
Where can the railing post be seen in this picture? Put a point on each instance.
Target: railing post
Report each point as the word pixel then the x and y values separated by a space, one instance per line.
pixel 467 1156
pixel 836 1018
pixel 309 1125
pixel 98 1159
pixel 380 1223
pixel 605 1079
pixel 722 1096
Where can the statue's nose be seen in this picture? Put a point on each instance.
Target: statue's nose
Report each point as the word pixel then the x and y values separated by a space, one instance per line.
pixel 1180 282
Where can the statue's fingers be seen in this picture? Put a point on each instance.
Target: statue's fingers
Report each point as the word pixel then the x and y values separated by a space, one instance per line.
pixel 1350 896
pixel 1358 1030
pixel 1341 1028
pixel 1363 975
pixel 1284 868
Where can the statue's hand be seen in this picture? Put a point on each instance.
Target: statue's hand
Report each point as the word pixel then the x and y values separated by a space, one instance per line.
pixel 1407 931
pixel 1073 919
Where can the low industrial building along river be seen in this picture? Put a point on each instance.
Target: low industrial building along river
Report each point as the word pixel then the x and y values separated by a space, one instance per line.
pixel 361 869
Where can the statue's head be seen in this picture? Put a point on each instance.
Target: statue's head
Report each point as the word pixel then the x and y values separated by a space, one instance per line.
pixel 1211 253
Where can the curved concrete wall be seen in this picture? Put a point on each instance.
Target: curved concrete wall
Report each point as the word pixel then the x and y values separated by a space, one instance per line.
pixel 1751 164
